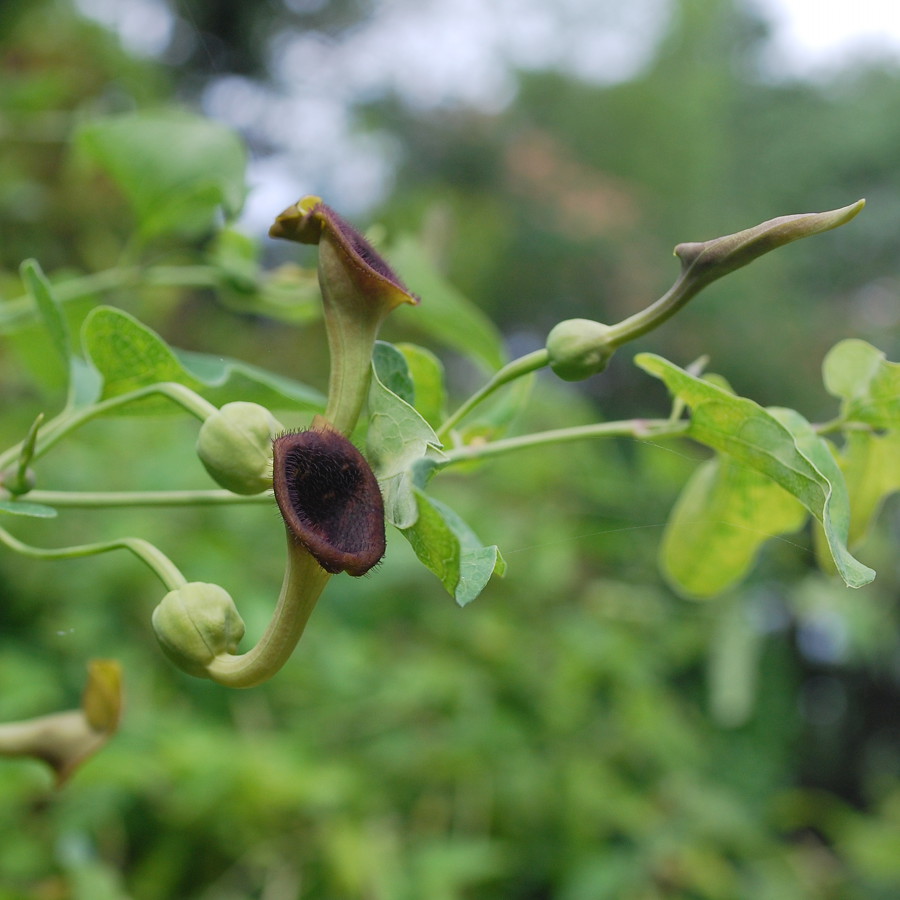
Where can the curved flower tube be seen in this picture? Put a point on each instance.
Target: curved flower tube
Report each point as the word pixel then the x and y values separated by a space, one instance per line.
pixel 304 580
pixel 334 519
pixel 359 289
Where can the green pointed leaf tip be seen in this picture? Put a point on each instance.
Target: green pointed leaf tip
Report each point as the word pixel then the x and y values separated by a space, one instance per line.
pixel 39 288
pixel 398 443
pixel 705 261
pixel 869 386
pixel 450 549
pixel 871 466
pixel 176 170
pixel 835 517
pixel 779 443
pixel 398 436
pixel 724 514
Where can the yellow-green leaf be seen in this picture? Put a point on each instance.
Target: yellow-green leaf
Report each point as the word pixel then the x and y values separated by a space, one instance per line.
pixel 866 382
pixel 723 516
pixel 780 444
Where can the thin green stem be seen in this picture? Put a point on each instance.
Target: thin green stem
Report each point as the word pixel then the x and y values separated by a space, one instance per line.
pixel 835 425
pixel 20 481
pixel 524 365
pixel 104 499
pixel 62 425
pixel 304 581
pixel 655 314
pixel 68 420
pixel 167 572
pixel 641 429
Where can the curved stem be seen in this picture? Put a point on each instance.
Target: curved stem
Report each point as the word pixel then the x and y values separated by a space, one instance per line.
pixel 19 482
pixel 524 365
pixel 167 572
pixel 66 422
pixel 837 424
pixel 655 314
pixel 642 429
pixel 304 581
pixel 189 400
pixel 102 499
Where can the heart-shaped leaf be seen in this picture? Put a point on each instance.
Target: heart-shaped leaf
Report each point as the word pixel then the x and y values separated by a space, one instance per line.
pixel 780 444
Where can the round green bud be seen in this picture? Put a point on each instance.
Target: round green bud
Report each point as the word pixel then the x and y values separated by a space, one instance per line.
pixel 235 446
pixel 15 481
pixel 196 623
pixel 579 348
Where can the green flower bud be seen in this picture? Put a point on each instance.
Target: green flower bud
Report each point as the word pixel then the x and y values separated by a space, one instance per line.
pixel 579 348
pixel 703 262
pixel 196 623
pixel 235 446
pixel 16 480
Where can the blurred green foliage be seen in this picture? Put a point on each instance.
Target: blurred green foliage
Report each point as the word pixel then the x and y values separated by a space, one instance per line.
pixel 578 733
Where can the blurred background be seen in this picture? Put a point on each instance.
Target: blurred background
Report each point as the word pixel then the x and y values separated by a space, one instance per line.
pixel 580 732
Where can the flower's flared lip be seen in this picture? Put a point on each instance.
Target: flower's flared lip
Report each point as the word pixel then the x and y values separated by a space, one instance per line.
pixel 309 220
pixel 366 515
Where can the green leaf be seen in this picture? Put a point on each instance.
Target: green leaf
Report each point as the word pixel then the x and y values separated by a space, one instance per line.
pixel 427 374
pixel 176 170
pixel 86 383
pixel 779 444
pixel 871 467
pixel 81 378
pixel 393 372
pixel 724 514
pixel 49 308
pixel 449 548
pixel 24 508
pixel 869 386
pixel 433 541
pixel 477 562
pixel 398 437
pixel 401 446
pixel 225 380
pixel 835 516
pixel 444 313
pixel 130 356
